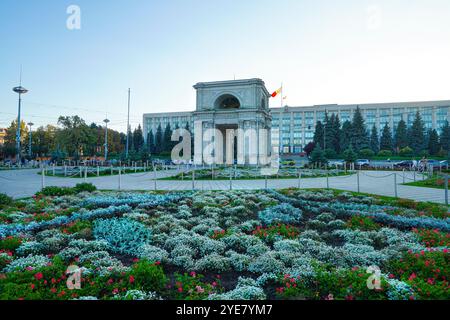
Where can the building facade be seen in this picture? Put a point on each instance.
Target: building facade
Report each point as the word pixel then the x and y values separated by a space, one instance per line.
pixel 2 136
pixel 244 104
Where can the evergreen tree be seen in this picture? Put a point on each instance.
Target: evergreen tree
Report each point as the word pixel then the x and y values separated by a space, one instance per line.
pixel 445 137
pixel 337 134
pixel 318 156
pixel 350 155
pixel 319 134
pixel 417 135
pixel 360 139
pixel 159 140
pixel 401 136
pixel 330 134
pixel 386 139
pixel 374 141
pixel 167 139
pixel 433 143
pixel 138 139
pixel 346 136
pixel 151 142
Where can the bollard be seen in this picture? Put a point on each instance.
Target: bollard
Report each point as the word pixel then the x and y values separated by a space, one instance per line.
pixel 154 176
pixel 43 178
pixel 120 178
pixel 446 189
pixel 359 188
pixel 395 183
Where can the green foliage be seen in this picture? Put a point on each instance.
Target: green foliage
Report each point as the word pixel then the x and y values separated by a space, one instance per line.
pixel 366 153
pixel 10 244
pixel 386 142
pixel 362 223
pixel 406 152
pixel 283 231
pixel 360 140
pixel 385 153
pixel 148 276
pixel 445 137
pixel 350 156
pixel 85 187
pixel 318 156
pixel 401 135
pixel 433 143
pixel 193 287
pixel 5 200
pixel 319 134
pixel 417 135
pixel 330 154
pixel 55 191
pixel 374 141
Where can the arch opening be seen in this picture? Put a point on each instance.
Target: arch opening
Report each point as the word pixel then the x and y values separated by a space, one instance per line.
pixel 227 102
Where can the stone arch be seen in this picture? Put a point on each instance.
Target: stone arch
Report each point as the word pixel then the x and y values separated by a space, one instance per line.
pixel 227 101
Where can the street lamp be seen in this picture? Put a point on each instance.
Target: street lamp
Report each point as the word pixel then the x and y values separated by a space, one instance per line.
pixel 20 90
pixel 30 153
pixel 106 121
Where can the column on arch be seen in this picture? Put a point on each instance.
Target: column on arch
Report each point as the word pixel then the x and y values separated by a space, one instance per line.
pixel 198 142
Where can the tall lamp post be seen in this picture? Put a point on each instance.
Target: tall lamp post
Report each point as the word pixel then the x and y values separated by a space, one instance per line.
pixel 30 152
pixel 20 90
pixel 106 121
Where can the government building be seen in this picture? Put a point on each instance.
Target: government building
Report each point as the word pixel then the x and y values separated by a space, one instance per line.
pixel 244 104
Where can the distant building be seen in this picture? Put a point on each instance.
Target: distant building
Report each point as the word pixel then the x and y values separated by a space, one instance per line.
pixel 244 103
pixel 2 136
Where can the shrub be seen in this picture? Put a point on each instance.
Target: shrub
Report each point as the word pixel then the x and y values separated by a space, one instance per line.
pixel 85 187
pixel 366 153
pixel 123 235
pixel 362 223
pixel 10 244
pixel 385 153
pixel 282 231
pixel 5 200
pixel 284 213
pixel 433 238
pixel 193 287
pixel 55 192
pixel 406 152
pixel 148 276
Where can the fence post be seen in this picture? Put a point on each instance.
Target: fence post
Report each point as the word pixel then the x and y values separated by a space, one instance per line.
pixel 81 172
pixel 266 182
pixel 65 170
pixel 98 171
pixel 328 180
pixel 299 179
pixel 414 175
pixel 395 182
pixel 193 180
pixel 446 189
pixel 231 179
pixel 357 175
pixel 85 173
pixel 120 178
pixel 154 176
pixel 53 169
pixel 42 178
pixel 404 177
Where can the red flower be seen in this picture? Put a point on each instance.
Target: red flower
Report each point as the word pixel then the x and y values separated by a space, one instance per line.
pixel 39 276
pixel 412 277
pixel 131 279
pixel 180 289
pixel 32 286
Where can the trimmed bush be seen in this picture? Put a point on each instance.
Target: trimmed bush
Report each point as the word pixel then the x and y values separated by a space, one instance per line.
pixel 5 200
pixel 55 192
pixel 85 187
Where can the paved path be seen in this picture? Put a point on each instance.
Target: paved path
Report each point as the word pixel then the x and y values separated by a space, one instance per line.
pixel 25 183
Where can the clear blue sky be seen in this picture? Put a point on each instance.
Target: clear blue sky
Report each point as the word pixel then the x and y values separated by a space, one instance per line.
pixel 347 51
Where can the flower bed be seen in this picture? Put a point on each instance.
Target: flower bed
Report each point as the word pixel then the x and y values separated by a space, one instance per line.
pixel 232 245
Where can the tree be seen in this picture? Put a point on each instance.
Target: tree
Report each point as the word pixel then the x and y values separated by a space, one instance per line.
pixel 337 134
pixel 401 135
pixel 445 137
pixel 319 134
pixel 346 135
pixel 159 140
pixel 433 143
pixel 360 138
pixel 309 148
pixel 75 136
pixel 417 135
pixel 374 141
pixel 138 139
pixel 167 139
pixel 9 147
pixel 330 153
pixel 367 153
pixel 386 138
pixel 318 156
pixel 350 155
pixel 151 142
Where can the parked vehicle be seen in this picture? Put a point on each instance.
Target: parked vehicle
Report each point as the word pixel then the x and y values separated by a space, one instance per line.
pixel 407 164
pixel 334 163
pixel 362 163
pixel 436 164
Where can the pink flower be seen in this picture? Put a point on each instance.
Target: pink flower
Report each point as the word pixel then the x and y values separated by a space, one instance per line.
pixel 180 289
pixel 200 289
pixel 38 276
pixel 115 291
pixel 193 274
pixel 214 284
pixel 412 277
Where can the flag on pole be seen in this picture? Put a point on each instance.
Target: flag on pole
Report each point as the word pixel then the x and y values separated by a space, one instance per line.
pixel 277 92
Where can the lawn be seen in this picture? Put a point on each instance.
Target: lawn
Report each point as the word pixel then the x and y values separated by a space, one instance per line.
pixel 92 172
pixel 233 245
pixel 254 174
pixel 436 182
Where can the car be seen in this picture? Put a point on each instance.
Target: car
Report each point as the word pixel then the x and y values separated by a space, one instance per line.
pixel 408 164
pixel 362 163
pixel 436 164
pixel 338 163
